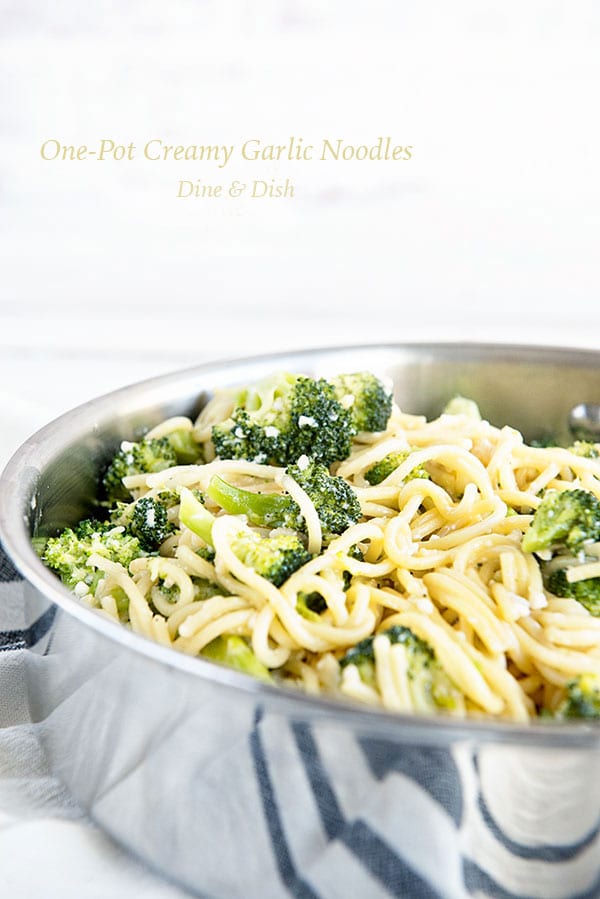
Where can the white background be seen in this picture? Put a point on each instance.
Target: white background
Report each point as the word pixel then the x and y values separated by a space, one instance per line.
pixel 491 232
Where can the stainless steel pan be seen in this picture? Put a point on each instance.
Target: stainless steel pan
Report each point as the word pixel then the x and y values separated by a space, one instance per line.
pixel 234 788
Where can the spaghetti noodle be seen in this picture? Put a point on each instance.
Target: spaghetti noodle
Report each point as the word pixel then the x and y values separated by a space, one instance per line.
pixel 439 555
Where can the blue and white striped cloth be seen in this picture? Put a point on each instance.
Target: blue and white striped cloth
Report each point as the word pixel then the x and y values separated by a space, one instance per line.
pixel 48 848
pixel 437 824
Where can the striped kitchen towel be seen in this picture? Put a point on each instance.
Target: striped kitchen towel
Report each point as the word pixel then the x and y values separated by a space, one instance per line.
pixel 48 848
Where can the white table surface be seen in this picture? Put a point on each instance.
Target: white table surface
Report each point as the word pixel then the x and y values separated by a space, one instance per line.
pixel 490 233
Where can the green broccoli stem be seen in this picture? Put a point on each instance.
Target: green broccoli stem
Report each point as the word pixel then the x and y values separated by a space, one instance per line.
pixel 195 516
pixel 231 650
pixel 262 509
pixel 185 446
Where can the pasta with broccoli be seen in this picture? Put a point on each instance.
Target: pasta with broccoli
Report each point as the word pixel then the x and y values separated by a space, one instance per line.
pixel 308 532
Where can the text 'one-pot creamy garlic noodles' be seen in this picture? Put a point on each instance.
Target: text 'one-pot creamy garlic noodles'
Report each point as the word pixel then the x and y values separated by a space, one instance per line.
pixel 310 533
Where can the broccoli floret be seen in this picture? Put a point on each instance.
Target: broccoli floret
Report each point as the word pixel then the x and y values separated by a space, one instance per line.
pixel 584 448
pixel 310 605
pixel 363 655
pixel 283 418
pixel 582 699
pixel 355 552
pixel 430 687
pixel 204 589
pixel 335 501
pixel 168 591
pixel 462 405
pixel 239 437
pixel 369 402
pixel 136 458
pixel 383 469
pixel 569 518
pixel 186 448
pixel 146 518
pixel 587 592
pixel 150 523
pixel 258 425
pixel 231 650
pixel 68 553
pixel 274 558
pixel 206 552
